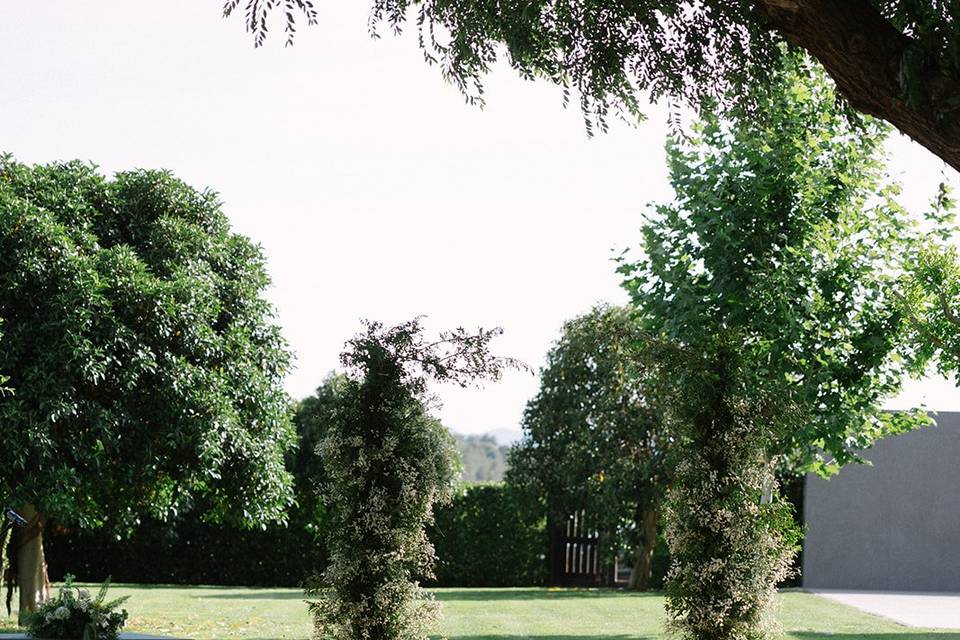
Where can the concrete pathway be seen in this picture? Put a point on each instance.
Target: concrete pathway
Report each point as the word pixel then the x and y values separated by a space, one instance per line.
pixel 929 610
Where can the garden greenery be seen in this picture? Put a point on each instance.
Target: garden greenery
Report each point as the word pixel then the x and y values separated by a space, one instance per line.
pixel 769 292
pixel 76 615
pixel 388 462
pixel 147 367
pixel 4 390
pixel 489 535
pixel 731 535
pixel 595 441
pixel 932 297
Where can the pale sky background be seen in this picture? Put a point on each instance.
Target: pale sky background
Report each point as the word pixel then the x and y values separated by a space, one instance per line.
pixel 374 190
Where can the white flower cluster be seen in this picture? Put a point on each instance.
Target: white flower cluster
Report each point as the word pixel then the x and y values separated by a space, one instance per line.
pixel 73 609
pixel 60 613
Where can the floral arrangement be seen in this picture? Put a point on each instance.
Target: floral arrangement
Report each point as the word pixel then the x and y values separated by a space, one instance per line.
pixel 75 615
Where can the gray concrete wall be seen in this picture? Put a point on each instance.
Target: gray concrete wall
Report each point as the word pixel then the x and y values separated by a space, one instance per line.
pixel 892 526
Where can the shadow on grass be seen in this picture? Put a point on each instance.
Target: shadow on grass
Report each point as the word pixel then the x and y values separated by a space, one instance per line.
pixel 503 636
pixel 907 634
pixel 452 595
pixel 254 595
pixel 181 587
pixel 476 594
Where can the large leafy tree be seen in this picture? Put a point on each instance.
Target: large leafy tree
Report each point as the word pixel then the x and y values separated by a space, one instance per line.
pixel 312 417
pixel 146 362
pixel 894 59
pixel 594 439
pixel 387 463
pixel 771 289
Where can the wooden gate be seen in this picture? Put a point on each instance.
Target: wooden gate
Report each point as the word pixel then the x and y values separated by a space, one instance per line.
pixel 575 553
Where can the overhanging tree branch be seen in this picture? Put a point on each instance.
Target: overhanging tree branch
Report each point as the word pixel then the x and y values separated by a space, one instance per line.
pixel 892 59
pixel 867 57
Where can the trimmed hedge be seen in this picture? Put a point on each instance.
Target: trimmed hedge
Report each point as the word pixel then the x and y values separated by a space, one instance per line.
pixel 187 553
pixel 489 537
pixel 484 538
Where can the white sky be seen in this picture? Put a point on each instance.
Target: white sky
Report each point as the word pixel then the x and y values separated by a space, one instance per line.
pixel 374 190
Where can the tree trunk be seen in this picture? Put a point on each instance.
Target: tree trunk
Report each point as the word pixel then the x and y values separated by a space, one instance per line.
pixel 31 567
pixel 864 54
pixel 640 576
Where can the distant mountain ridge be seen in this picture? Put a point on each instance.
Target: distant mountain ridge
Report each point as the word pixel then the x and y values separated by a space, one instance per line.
pixel 505 436
pixel 484 458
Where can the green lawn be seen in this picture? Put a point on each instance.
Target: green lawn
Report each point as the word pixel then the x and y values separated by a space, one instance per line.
pixel 482 614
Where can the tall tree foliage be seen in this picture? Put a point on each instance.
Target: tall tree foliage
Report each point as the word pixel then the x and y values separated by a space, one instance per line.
pixel 932 296
pixel 147 365
pixel 594 439
pixel 771 289
pixel 388 462
pixel 895 59
pixel 312 417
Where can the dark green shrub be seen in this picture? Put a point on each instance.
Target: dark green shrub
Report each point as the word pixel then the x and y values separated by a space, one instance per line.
pixel 488 537
pixel 189 552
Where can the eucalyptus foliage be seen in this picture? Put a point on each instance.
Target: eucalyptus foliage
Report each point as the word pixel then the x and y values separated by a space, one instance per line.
pixel 594 439
pixel 146 362
pixel 388 462
pixel 771 288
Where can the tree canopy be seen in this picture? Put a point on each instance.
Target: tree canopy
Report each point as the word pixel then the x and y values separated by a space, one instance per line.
pixel 894 59
pixel 771 289
pixel 932 299
pixel 594 439
pixel 4 391
pixel 146 363
pixel 785 232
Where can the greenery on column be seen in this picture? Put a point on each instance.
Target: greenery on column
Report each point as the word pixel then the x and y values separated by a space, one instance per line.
pixel 387 463
pixel 771 289
pixel 731 535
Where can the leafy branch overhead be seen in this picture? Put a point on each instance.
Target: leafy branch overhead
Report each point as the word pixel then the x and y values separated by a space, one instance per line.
pixel 256 13
pixel 459 356
pixel 894 59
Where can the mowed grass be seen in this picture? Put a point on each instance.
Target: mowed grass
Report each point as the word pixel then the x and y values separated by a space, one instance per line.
pixel 482 614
